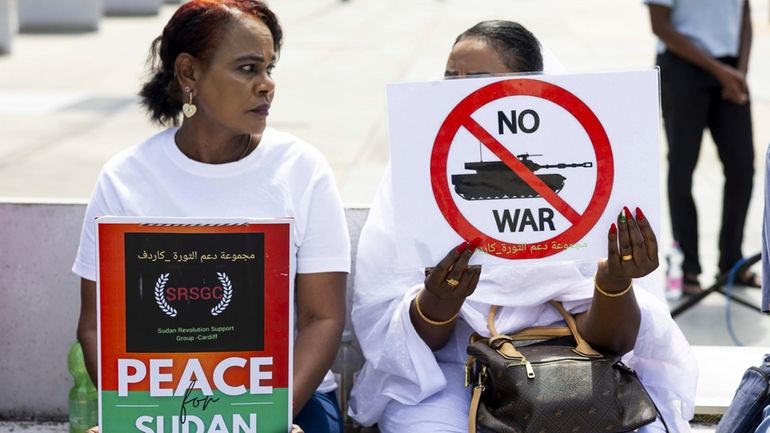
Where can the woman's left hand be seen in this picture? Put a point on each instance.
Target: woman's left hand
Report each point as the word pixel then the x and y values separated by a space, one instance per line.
pixel 632 252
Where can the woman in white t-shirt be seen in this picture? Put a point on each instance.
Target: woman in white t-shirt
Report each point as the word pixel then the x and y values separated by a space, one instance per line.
pixel 213 64
pixel 414 329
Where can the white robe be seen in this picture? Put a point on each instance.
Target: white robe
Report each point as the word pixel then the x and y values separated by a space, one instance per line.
pixel 401 372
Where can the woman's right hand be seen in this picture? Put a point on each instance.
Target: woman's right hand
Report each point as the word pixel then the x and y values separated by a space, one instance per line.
pixel 435 308
pixel 452 279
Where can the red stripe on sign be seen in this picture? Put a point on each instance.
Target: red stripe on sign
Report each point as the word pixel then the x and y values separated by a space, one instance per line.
pixel 521 170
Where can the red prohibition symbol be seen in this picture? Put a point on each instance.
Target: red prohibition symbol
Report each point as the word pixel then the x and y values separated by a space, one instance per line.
pixel 460 117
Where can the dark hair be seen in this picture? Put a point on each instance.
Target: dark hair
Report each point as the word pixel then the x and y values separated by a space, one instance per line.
pixel 196 28
pixel 518 48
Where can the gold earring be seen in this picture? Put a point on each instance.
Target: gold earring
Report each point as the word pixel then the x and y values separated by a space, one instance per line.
pixel 189 109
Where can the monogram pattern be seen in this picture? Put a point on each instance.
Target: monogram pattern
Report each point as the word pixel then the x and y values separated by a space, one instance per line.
pixel 570 393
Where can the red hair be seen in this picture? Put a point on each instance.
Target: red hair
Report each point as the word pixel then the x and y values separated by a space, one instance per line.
pixel 195 28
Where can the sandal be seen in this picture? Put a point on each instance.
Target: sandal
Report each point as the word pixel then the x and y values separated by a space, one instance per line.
pixel 691 285
pixel 748 278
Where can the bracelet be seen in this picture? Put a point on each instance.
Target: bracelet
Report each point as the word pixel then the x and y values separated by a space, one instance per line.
pixel 425 318
pixel 613 295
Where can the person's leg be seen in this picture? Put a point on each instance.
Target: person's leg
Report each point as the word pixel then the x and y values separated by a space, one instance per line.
pixel 731 128
pixel 444 412
pixel 685 100
pixel 321 414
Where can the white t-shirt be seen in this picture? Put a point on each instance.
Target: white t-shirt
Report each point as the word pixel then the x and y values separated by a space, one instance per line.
pixel 282 177
pixel 712 25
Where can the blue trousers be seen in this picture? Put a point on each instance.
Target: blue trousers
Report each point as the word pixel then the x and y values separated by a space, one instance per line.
pixel 321 414
pixel 764 426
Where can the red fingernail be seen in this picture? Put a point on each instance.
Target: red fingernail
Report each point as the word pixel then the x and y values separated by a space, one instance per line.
pixel 627 212
pixel 639 214
pixel 462 247
pixel 474 245
pixel 613 229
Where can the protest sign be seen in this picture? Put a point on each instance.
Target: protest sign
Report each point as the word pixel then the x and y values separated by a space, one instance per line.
pixel 195 325
pixel 531 167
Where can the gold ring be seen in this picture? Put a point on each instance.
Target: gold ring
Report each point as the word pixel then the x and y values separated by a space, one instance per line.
pixel 452 282
pixel 627 257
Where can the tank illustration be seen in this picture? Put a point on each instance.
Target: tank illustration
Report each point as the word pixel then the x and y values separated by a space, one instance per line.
pixel 494 180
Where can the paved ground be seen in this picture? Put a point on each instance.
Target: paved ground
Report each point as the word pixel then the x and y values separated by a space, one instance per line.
pixel 67 102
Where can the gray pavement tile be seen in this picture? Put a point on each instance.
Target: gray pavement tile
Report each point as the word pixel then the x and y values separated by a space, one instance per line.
pixel 33 427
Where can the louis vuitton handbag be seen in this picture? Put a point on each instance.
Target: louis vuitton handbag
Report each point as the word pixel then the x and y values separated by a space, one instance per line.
pixel 549 379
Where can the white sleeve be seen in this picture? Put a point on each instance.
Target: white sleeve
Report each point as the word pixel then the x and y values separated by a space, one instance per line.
pixel 325 243
pixel 85 260
pixel 665 362
pixel 399 365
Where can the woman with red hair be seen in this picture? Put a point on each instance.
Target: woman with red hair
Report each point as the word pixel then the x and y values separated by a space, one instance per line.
pixel 211 69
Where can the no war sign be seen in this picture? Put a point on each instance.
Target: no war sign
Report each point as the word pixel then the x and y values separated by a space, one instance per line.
pixel 531 167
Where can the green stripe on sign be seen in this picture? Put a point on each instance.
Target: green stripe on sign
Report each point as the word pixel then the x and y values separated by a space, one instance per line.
pixel 218 413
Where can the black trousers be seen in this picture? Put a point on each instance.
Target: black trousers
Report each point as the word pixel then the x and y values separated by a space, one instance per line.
pixel 692 101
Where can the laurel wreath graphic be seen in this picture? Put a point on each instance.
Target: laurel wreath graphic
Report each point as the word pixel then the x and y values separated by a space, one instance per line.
pixel 227 294
pixel 160 297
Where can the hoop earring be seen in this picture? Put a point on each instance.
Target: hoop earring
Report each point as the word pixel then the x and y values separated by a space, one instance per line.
pixel 189 109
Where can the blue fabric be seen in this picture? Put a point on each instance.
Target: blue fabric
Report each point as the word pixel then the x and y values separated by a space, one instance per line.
pixel 766 240
pixel 748 408
pixel 321 414
pixel 764 426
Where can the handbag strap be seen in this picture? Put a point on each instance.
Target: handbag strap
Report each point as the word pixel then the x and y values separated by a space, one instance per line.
pixel 582 348
pixel 504 343
pixel 473 412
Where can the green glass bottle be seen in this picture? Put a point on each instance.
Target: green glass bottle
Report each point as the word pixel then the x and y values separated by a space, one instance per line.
pixel 83 396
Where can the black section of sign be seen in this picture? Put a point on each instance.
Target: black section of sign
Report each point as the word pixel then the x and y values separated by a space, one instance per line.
pixel 196 292
pixel 494 180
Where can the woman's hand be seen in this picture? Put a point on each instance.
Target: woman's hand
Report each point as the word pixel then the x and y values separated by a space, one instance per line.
pixel 452 279
pixel 612 322
pixel 434 310
pixel 632 252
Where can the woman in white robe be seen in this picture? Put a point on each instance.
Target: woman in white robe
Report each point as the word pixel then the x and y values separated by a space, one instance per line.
pixel 414 329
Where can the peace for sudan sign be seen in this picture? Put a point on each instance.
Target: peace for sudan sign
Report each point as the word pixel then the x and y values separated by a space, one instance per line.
pixel 194 325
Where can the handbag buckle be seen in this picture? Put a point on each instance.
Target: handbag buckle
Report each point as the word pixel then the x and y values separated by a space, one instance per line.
pixel 467 375
pixel 482 376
